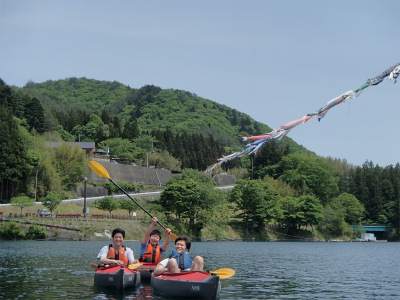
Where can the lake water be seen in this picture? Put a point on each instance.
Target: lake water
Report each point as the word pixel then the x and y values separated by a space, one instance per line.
pixel 264 270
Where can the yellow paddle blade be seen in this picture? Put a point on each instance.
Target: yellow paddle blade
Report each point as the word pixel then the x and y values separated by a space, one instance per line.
pixel 99 169
pixel 174 236
pixel 224 273
pixel 94 266
pixel 134 266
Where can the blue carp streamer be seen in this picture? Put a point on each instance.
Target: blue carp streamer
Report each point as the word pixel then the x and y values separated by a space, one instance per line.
pixel 391 73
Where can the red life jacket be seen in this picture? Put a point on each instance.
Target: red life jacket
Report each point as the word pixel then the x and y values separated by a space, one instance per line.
pixel 151 254
pixel 118 255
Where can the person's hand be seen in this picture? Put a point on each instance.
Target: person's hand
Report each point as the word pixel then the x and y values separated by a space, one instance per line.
pixel 135 261
pixel 154 220
pixel 167 230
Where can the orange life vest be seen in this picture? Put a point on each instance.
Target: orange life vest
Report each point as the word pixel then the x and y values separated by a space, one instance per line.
pixel 118 255
pixel 151 254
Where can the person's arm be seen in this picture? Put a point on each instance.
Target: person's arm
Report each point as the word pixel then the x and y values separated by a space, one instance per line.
pixel 161 267
pixel 129 255
pixel 106 261
pixel 143 248
pixel 102 256
pixel 165 245
pixel 154 220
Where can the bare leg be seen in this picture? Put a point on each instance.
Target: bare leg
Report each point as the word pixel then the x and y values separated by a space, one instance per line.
pixel 198 264
pixel 173 266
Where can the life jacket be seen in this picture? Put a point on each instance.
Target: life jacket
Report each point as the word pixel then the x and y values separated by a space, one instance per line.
pixel 183 259
pixel 118 255
pixel 151 254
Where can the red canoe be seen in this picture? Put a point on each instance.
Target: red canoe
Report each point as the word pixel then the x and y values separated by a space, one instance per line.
pixel 189 285
pixel 118 277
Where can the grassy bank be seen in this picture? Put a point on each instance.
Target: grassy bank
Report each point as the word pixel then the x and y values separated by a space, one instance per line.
pixel 135 228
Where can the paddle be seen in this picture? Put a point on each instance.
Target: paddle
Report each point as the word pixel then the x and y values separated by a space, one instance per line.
pixel 102 172
pixel 131 266
pixel 94 266
pixel 134 266
pixel 224 273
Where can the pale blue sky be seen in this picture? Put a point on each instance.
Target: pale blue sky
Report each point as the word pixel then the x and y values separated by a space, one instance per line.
pixel 274 60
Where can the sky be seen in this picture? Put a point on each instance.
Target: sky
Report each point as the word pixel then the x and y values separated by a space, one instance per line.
pixel 273 60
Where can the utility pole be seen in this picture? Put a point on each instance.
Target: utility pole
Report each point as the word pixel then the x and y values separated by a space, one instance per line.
pixel 84 201
pixel 36 182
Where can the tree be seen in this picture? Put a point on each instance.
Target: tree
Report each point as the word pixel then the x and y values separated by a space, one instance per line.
pixel 106 204
pixel 51 201
pixel 13 155
pixel 22 202
pixel 183 199
pixel 45 170
pixel 88 131
pixel 164 160
pixel 312 209
pixel 71 165
pixel 9 99
pixel 254 200
pixel 128 205
pixel 351 208
pixel 124 149
pixel 115 131
pixel 333 224
pixel 308 175
pixel 131 130
pixel 289 212
pixel 188 196
pixel 34 114
pixel 268 155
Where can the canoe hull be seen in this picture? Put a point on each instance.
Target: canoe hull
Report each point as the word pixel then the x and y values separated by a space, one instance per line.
pixel 145 271
pixel 189 285
pixel 116 277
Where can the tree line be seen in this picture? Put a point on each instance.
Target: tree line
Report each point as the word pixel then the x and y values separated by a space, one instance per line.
pixel 296 193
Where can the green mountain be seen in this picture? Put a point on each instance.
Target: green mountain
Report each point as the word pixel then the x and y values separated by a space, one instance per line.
pixel 152 107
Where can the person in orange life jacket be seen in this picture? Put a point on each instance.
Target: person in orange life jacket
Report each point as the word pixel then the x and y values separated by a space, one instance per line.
pixel 180 259
pixel 116 253
pixel 150 251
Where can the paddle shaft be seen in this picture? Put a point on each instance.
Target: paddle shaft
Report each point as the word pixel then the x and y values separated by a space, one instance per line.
pixel 102 172
pixel 138 204
pixel 131 266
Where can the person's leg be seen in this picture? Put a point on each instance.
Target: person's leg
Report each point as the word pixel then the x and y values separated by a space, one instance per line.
pixel 198 264
pixel 173 266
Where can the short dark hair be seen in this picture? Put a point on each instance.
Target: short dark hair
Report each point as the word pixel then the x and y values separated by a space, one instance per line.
pixel 155 231
pixel 118 230
pixel 186 240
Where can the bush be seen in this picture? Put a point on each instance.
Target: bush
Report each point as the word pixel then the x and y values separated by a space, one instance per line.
pixel 35 232
pixel 12 231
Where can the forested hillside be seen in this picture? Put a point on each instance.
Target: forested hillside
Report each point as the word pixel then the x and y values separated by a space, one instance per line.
pixel 178 130
pixel 150 107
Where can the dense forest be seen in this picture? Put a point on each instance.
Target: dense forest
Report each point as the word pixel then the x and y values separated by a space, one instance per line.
pixel 284 182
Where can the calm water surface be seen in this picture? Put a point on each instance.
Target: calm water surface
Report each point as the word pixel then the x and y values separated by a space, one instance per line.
pixel 264 270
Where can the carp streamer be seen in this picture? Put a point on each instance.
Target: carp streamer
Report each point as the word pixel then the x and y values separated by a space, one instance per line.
pixel 391 73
